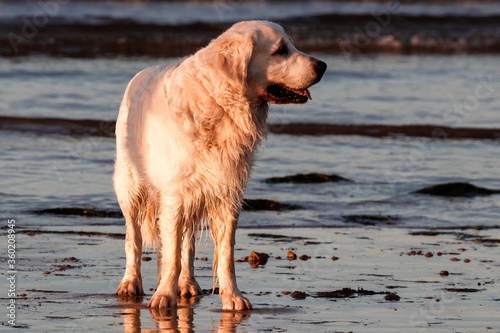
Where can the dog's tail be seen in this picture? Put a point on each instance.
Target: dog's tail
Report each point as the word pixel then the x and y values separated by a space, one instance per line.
pixel 147 216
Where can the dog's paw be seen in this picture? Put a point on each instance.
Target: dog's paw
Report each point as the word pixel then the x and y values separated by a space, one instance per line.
pixel 162 301
pixel 130 287
pixel 189 288
pixel 235 302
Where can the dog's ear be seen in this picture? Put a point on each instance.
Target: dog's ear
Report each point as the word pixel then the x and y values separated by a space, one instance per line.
pixel 232 54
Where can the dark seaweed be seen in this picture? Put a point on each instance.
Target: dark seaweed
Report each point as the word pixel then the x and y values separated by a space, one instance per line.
pixel 457 190
pixel 463 290
pixel 370 219
pixel 277 238
pixel 87 212
pixel 348 293
pixel 307 178
pixel 264 204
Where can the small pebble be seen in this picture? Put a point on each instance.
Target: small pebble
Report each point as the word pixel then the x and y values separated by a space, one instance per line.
pixel 291 256
pixel 298 295
pixel 146 258
pixel 304 257
pixel 392 297
pixel 46 272
pixel 439 254
pixel 277 257
pixel 454 259
pixel 444 273
pixel 429 255
pixel 334 258
pixel 285 292
pixel 467 261
pixel 204 259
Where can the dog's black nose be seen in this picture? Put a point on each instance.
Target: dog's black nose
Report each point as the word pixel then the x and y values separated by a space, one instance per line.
pixel 319 68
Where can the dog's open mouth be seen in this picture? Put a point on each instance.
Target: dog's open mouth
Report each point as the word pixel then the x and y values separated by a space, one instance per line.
pixel 280 94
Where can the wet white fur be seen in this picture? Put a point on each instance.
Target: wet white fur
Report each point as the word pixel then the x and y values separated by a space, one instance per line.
pixel 185 138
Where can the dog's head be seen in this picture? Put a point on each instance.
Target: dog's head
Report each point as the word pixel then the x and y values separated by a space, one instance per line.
pixel 261 56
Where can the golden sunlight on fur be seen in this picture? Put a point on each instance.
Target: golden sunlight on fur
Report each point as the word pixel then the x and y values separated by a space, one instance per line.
pixel 185 138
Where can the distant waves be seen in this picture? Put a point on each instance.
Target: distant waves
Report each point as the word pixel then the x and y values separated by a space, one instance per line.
pixel 333 33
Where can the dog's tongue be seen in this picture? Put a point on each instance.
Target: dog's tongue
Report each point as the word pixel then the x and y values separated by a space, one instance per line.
pixel 304 92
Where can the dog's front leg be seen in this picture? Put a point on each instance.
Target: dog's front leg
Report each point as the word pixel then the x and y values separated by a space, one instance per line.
pixel 188 286
pixel 171 237
pixel 231 297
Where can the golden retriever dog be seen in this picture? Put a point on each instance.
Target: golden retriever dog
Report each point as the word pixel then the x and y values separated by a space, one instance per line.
pixel 185 138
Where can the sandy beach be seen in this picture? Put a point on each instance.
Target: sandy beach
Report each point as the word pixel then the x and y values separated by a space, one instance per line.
pixel 382 280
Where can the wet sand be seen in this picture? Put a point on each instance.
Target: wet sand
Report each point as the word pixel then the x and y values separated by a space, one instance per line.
pixel 396 277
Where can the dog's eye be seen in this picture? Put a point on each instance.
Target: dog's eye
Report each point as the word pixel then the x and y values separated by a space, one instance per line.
pixel 282 51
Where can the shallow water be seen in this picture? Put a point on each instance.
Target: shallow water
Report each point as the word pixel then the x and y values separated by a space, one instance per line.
pixel 40 171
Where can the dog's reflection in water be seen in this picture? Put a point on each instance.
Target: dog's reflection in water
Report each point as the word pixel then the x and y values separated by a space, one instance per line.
pixel 230 320
pixel 178 319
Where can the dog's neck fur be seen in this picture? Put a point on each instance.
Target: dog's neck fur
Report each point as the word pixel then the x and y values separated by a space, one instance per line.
pixel 245 115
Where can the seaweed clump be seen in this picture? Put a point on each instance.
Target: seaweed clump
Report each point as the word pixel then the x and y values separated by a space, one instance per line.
pixel 348 293
pixel 457 190
pixel 264 204
pixel 307 178
pixel 80 212
pixel 370 219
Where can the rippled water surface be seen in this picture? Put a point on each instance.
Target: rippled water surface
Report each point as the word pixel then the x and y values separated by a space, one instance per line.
pixel 177 12
pixel 44 171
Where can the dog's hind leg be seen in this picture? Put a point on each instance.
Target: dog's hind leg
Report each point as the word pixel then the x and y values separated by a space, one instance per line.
pixel 188 286
pixel 131 284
